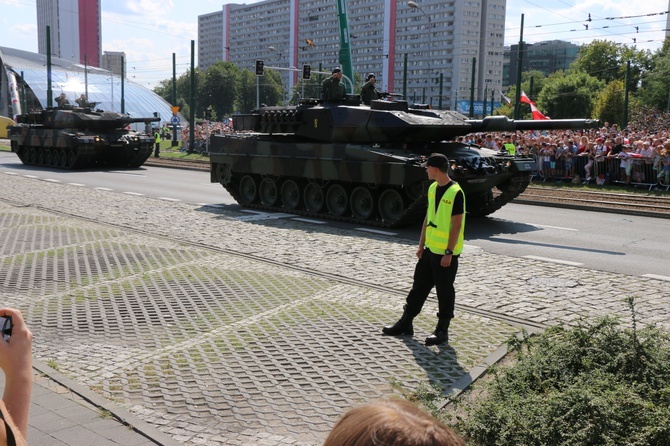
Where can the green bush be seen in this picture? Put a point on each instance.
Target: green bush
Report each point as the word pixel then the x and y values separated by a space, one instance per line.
pixel 596 384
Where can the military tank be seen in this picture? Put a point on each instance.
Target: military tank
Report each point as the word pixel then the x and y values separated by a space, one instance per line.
pixel 351 162
pixel 75 138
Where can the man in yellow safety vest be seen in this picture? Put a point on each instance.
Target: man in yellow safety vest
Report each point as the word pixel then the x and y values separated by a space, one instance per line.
pixel 440 246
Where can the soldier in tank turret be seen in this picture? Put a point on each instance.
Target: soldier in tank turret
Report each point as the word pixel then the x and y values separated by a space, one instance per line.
pixel 62 100
pixel 368 92
pixel 82 101
pixel 332 89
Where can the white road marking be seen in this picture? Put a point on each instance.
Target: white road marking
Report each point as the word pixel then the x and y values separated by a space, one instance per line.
pixel 31 176
pixel 656 276
pixel 557 227
pixel 104 188
pixel 168 199
pixel 77 184
pixel 264 216
pixel 547 259
pixel 51 180
pixel 377 231
pixel 307 220
pixel 10 173
pixel 134 193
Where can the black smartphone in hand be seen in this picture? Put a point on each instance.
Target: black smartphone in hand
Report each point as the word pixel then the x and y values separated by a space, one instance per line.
pixel 6 326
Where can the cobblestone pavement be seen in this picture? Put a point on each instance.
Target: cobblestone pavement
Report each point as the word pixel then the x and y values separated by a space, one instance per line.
pixel 223 328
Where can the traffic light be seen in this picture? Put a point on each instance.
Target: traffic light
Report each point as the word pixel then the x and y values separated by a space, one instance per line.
pixel 259 68
pixel 306 71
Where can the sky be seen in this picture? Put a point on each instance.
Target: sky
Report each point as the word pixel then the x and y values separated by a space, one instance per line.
pixel 149 31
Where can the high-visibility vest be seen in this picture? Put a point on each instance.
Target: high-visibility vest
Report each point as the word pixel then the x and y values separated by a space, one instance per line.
pixel 510 148
pixel 438 225
pixel 158 137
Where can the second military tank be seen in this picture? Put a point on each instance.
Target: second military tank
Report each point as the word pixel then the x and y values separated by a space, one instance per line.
pixel 362 164
pixel 76 138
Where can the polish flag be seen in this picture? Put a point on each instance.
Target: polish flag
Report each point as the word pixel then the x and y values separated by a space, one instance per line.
pixel 505 97
pixel 525 98
pixel 537 115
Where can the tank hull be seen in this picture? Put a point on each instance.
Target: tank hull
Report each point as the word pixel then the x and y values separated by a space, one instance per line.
pixel 77 138
pixel 361 183
pixel 72 149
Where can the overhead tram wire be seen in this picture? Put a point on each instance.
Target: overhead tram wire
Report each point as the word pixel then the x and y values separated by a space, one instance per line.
pixel 591 19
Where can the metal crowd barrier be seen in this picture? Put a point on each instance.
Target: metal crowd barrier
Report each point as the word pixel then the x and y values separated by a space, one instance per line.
pixel 604 170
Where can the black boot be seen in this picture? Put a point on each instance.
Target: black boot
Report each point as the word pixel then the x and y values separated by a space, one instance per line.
pixel 441 333
pixel 402 327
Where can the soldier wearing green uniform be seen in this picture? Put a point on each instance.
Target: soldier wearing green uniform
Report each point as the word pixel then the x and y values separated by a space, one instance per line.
pixel 332 89
pixel 368 92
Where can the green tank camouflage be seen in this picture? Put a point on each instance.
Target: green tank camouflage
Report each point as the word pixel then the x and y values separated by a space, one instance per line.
pixel 76 138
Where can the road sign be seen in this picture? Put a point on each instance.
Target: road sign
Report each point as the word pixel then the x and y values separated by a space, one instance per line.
pixel 175 120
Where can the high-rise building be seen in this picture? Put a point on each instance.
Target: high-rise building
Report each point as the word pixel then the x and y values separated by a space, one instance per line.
pixel 547 57
pixel 114 61
pixel 75 29
pixel 438 40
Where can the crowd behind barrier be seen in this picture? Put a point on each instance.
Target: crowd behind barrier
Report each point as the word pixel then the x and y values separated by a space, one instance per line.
pixel 598 156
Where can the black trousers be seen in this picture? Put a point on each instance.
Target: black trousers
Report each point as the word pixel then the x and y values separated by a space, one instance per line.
pixel 428 274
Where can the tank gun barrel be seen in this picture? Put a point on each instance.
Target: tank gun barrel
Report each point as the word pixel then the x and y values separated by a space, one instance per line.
pixel 125 120
pixel 504 124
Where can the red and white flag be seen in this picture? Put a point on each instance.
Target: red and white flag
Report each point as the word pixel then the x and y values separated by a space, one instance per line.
pixel 508 100
pixel 537 115
pixel 525 98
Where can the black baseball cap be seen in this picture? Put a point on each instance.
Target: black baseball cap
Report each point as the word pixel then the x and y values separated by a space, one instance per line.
pixel 436 160
pixel 337 70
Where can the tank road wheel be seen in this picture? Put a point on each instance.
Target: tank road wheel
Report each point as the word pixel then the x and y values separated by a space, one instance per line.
pixel 47 157
pixel 71 159
pixel 290 195
pixel 391 206
pixel 248 190
pixel 62 158
pixel 337 200
pixel 314 198
pixel 268 192
pixel 40 156
pixel 362 203
pixel 32 155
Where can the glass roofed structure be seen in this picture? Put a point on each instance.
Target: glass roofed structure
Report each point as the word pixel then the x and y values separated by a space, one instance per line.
pixel 100 86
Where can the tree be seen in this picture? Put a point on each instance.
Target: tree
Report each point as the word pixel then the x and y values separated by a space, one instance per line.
pixel 607 61
pixel 609 104
pixel 219 88
pixel 569 95
pixel 655 89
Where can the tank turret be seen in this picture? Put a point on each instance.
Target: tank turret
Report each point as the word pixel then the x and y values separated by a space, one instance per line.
pixel 362 164
pixel 73 137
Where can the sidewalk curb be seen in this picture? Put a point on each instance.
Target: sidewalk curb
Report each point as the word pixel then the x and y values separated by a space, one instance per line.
pixel 121 414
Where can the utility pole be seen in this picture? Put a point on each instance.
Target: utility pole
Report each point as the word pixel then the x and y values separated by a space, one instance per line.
pixel 519 68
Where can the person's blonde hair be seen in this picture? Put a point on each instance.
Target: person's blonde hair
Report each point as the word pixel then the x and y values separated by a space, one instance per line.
pixel 391 422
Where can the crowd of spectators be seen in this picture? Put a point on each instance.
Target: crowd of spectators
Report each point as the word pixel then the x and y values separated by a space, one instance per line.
pixel 637 155
pixel 202 131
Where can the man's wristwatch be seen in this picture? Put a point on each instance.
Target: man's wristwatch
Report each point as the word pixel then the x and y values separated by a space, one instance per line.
pixel 448 252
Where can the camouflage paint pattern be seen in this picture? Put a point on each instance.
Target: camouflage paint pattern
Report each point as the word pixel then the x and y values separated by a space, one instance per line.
pixel 74 138
pixel 345 147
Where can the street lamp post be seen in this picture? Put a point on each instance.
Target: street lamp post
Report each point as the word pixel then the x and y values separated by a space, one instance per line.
pixel 415 5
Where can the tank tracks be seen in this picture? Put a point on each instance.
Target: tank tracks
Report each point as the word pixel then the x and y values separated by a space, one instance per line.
pixel 62 158
pixel 414 209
